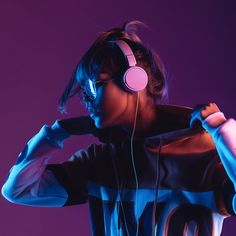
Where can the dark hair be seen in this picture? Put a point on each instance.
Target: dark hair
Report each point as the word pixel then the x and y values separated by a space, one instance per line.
pixel 104 55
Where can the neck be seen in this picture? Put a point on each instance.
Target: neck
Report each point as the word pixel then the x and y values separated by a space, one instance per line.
pixel 146 120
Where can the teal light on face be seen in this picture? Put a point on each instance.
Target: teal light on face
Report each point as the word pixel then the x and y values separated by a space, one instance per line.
pixel 90 89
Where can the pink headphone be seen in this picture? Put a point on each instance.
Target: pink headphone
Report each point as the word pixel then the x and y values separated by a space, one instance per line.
pixel 135 78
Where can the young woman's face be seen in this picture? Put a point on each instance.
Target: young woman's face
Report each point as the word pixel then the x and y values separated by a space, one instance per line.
pixel 112 105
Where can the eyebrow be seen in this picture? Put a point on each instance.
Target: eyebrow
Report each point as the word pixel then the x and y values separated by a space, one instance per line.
pixel 103 80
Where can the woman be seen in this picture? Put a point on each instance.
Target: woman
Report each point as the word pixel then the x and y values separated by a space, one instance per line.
pixel 159 169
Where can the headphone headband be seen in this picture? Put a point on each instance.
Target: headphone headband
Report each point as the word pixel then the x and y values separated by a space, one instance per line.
pixel 128 53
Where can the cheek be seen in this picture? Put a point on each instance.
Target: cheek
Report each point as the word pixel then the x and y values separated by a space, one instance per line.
pixel 114 99
pixel 112 102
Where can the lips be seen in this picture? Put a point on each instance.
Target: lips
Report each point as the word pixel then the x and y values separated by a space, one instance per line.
pixel 93 112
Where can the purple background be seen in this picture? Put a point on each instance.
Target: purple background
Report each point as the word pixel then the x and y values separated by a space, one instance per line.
pixel 41 42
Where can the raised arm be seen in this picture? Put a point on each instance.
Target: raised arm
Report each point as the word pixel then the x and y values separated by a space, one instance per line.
pixel 28 182
pixel 223 133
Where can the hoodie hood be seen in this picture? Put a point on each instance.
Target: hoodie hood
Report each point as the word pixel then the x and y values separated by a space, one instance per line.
pixel 169 118
pixel 172 128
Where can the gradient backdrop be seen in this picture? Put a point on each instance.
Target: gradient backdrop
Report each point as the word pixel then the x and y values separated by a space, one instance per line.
pixel 40 44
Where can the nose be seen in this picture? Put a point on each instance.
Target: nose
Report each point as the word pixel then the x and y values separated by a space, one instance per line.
pixel 87 99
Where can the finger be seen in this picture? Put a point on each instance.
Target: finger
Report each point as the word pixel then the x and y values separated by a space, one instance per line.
pixel 209 109
pixel 194 118
pixel 196 114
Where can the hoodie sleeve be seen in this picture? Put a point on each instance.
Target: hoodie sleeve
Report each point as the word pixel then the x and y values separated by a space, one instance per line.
pixel 224 137
pixel 29 182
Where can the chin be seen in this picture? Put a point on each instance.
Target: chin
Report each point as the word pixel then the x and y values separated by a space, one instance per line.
pixel 101 123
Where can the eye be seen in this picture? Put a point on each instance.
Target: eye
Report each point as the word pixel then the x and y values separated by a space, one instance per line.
pixel 99 83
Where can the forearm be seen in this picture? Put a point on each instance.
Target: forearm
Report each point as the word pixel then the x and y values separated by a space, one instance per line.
pixel 223 133
pixel 25 178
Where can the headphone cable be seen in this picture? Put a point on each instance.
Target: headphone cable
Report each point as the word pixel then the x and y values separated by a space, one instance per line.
pixel 119 202
pixel 135 174
pixel 133 164
pixel 157 186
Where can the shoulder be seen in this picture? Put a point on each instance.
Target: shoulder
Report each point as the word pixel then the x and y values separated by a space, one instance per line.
pixel 95 151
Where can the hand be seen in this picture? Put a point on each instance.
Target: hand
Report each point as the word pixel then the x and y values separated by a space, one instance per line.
pixel 78 125
pixel 85 125
pixel 202 111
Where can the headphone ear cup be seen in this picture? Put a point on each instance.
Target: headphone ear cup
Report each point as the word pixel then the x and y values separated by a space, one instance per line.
pixel 135 79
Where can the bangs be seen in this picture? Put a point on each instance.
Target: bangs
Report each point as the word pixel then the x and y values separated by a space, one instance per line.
pixel 106 57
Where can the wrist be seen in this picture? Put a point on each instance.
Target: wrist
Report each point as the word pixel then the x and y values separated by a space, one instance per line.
pixel 214 120
pixel 59 131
